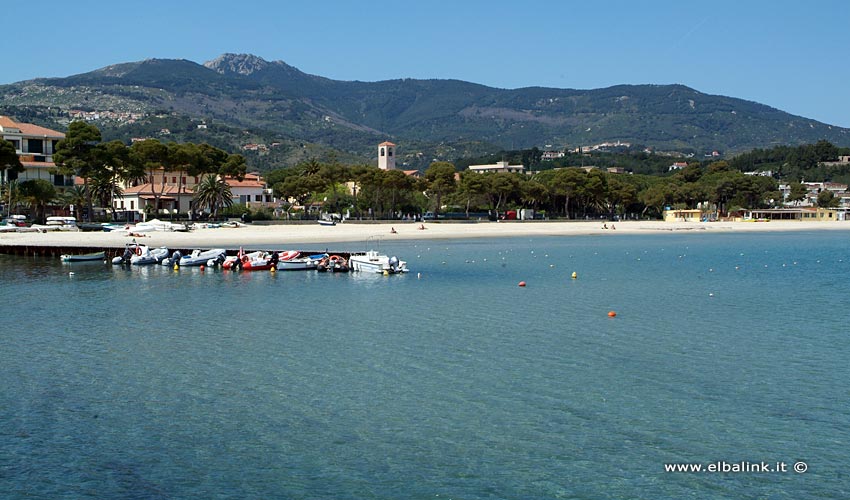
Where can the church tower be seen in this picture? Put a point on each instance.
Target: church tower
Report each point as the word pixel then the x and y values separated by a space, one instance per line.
pixel 386 156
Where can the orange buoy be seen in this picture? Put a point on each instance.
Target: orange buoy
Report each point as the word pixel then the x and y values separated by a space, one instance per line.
pixel 611 314
pixel 202 267
pixel 522 283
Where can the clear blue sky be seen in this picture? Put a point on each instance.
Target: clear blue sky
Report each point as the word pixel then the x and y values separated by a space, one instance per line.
pixel 791 55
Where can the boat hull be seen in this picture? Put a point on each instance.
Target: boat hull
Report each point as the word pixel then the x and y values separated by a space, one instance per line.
pixel 202 258
pixel 372 262
pixel 89 257
pixel 149 256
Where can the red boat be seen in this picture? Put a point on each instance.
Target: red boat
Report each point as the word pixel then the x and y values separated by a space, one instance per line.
pixel 253 261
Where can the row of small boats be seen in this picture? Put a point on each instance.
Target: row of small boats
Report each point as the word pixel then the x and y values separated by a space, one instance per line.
pixel 290 260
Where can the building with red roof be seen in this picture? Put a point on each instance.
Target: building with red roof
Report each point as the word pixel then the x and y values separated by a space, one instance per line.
pixel 35 146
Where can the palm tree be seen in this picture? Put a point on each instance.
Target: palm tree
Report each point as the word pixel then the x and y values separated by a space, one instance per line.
pixel 74 196
pixel 213 192
pixel 105 189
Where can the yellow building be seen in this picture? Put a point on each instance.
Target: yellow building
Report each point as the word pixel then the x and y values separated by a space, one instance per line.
pixel 801 214
pixel 687 215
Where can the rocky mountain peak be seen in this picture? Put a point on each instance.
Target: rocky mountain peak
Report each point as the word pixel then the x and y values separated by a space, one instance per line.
pixel 243 64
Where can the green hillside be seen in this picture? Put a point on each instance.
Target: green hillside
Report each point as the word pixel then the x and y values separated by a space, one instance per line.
pixel 244 99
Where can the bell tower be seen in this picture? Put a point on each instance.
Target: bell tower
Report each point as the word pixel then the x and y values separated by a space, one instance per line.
pixel 386 156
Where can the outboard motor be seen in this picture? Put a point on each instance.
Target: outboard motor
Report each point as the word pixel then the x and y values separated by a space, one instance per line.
pixel 394 263
pixel 175 258
pixel 125 258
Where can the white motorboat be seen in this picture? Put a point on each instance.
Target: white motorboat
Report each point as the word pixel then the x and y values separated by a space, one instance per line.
pixel 144 255
pixel 374 262
pixel 203 257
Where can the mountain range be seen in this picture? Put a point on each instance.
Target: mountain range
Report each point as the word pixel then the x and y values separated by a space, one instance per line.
pixel 241 98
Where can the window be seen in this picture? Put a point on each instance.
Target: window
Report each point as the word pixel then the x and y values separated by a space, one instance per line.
pixel 132 205
pixel 58 180
pixel 258 197
pixel 382 151
pixel 196 179
pixel 35 146
pixel 390 152
pixel 174 180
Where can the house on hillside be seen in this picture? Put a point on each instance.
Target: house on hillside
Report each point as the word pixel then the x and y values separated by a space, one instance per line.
pixel 552 155
pixel 501 166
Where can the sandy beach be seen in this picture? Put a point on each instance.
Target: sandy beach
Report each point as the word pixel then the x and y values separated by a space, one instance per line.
pixel 354 235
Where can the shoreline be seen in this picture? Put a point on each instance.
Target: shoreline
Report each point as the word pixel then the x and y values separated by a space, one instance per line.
pixel 287 235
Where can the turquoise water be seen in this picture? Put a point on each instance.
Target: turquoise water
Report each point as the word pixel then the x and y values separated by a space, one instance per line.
pixel 151 383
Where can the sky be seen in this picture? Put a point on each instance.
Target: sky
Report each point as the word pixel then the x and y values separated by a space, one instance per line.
pixel 790 55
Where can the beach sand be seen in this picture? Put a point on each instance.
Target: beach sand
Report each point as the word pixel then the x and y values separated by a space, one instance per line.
pixel 352 235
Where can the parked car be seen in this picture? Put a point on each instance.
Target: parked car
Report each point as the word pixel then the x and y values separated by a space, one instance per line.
pixel 15 220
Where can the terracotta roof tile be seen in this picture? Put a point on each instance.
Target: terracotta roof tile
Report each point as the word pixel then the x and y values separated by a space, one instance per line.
pixel 7 122
pixel 157 188
pixel 29 129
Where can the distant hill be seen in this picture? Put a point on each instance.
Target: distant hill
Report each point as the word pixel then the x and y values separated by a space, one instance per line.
pixel 244 95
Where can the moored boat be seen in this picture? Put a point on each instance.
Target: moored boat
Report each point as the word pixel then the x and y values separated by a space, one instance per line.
pixel 145 255
pixel 374 262
pixel 203 257
pixel 304 263
pixel 333 264
pixel 86 257
pixel 129 252
pixel 253 261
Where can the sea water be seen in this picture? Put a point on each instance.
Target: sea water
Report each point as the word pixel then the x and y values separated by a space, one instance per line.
pixel 447 382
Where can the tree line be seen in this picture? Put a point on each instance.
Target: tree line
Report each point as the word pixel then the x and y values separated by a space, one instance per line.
pixel 571 193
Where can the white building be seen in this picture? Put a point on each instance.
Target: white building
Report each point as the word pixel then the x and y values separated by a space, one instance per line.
pixel 165 188
pixel 35 146
pixel 386 156
pixel 501 166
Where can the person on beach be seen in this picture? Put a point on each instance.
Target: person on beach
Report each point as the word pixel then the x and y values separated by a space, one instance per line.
pixel 392 230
